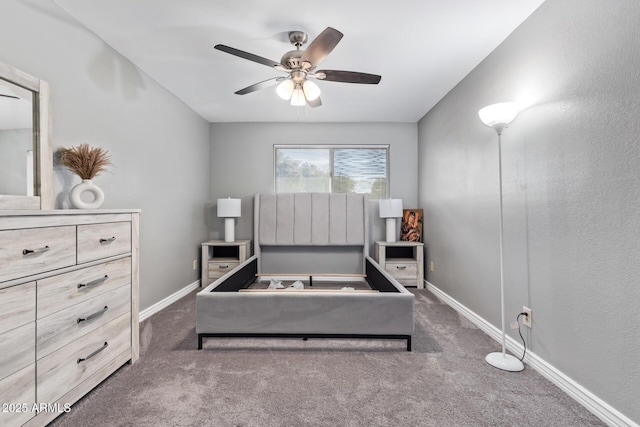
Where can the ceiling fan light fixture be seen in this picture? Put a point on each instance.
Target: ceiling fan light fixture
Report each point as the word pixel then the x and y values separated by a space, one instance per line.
pixel 297 98
pixel 311 90
pixel 285 89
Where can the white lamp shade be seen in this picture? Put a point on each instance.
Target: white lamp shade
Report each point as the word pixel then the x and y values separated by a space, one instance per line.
pixel 297 98
pixel 285 89
pixel 390 208
pixel 497 116
pixel 228 208
pixel 311 90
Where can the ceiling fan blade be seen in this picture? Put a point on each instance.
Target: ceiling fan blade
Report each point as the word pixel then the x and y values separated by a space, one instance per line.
pixel 9 96
pixel 348 77
pixel 315 103
pixel 320 47
pixel 247 55
pixel 262 85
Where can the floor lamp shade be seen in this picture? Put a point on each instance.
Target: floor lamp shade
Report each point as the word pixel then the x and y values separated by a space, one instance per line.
pixel 391 209
pixel 229 209
pixel 498 116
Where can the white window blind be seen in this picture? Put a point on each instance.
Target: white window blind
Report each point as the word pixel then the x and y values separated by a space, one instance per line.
pixel 332 169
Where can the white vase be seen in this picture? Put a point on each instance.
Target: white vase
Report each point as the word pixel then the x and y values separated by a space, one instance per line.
pixel 86 185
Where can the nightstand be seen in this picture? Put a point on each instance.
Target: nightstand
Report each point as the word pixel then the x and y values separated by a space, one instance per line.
pixel 403 260
pixel 220 257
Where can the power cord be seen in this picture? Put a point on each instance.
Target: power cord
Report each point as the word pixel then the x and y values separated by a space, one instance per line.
pixel 520 333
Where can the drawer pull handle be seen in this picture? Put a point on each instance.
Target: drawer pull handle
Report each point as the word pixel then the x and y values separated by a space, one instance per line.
pixel 94 315
pixel 224 266
pixel 401 267
pixel 81 359
pixel 109 240
pixel 35 251
pixel 94 282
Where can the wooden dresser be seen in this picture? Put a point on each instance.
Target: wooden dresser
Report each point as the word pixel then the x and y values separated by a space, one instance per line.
pixel 68 307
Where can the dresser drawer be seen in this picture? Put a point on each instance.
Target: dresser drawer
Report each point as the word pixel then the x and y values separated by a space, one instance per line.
pixel 97 241
pixel 68 366
pixel 402 270
pixel 17 349
pixel 35 250
pixel 220 268
pixel 18 390
pixel 64 326
pixel 64 290
pixel 17 306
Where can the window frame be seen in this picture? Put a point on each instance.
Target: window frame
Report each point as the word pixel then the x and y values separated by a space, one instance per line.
pixel 331 148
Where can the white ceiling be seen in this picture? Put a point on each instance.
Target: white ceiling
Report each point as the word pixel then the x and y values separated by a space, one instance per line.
pixel 422 49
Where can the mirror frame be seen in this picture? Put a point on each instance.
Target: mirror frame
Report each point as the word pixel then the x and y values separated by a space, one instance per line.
pixel 43 154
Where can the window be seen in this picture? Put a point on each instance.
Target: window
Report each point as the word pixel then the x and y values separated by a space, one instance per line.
pixel 332 169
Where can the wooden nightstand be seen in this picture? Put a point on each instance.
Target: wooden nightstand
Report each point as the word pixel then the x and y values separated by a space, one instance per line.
pixel 403 260
pixel 220 257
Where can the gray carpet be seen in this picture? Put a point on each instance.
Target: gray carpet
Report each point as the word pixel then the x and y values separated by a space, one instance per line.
pixel 444 381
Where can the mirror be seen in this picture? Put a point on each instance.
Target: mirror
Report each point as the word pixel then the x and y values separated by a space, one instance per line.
pixel 26 167
pixel 16 140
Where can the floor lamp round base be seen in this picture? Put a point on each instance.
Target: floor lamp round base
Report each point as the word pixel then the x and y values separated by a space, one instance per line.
pixel 506 362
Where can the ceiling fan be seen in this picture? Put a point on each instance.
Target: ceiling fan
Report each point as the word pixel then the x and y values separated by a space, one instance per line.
pixel 300 65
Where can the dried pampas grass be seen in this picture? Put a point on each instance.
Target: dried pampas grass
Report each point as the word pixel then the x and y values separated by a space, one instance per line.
pixel 85 161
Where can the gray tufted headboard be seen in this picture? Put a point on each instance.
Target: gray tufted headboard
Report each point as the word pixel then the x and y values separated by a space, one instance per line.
pixel 311 219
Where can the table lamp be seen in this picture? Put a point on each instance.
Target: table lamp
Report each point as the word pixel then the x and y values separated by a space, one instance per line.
pixel 229 209
pixel 391 209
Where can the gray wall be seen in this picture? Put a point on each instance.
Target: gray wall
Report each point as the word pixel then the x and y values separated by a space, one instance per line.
pixel 159 147
pixel 571 187
pixel 242 162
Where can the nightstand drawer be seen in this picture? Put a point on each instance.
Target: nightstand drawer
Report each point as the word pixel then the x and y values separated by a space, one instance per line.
pixel 67 325
pixel 402 269
pixel 36 250
pixel 220 268
pixel 77 361
pixel 64 290
pixel 96 241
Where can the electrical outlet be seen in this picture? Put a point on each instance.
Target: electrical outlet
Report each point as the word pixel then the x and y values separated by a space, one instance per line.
pixel 431 267
pixel 195 264
pixel 526 320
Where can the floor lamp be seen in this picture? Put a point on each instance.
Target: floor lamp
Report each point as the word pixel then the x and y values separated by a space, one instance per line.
pixel 497 117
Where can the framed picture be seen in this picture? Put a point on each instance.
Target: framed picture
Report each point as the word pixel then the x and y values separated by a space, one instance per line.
pixel 411 226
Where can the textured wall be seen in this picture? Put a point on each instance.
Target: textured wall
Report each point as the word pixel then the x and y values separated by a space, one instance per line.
pixel 159 147
pixel 571 186
pixel 242 162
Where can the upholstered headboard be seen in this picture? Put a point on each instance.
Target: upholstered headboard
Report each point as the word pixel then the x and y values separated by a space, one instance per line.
pixel 311 219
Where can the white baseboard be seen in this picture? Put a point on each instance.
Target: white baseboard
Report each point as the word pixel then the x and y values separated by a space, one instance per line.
pixel 593 403
pixel 150 311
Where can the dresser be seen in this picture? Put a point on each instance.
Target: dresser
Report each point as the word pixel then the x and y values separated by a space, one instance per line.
pixel 220 257
pixel 403 260
pixel 68 307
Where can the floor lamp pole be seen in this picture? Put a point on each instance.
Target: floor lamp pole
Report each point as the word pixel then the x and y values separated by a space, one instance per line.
pixel 503 360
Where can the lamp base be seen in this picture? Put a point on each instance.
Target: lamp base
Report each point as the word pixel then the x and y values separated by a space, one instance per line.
pixel 391 229
pixel 506 362
pixel 229 229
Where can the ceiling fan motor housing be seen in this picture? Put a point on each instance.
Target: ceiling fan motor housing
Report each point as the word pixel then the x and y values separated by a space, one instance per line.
pixel 291 59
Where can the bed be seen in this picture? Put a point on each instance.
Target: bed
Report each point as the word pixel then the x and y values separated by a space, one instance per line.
pixel 328 234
